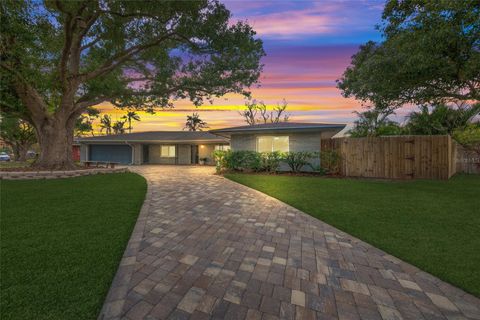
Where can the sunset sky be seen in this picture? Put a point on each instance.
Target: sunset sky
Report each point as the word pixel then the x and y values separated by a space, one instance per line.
pixel 308 46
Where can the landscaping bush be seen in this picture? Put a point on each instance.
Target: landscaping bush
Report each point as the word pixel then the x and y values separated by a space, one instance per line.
pixel 220 160
pixel 265 161
pixel 330 161
pixel 297 160
pixel 244 161
pixel 271 161
pixel 238 160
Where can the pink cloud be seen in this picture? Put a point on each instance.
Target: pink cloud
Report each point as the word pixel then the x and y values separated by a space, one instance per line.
pixel 281 24
pixel 284 19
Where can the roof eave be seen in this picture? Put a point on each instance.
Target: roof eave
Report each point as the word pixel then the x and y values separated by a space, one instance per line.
pixel 253 130
pixel 152 141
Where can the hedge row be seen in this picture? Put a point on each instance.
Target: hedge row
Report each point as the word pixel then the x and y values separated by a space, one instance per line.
pixel 267 161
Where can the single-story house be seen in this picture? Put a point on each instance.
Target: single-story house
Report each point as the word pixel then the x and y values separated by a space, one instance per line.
pixel 155 147
pixel 282 136
pixel 190 147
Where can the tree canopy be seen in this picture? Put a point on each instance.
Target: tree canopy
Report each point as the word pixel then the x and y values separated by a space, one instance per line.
pixel 60 57
pixel 430 53
pixel 441 119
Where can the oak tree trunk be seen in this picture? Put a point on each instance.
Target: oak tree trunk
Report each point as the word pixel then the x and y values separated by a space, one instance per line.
pixel 22 153
pixel 55 138
pixel 16 152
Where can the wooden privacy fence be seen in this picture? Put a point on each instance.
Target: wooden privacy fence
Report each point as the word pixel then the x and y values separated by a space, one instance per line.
pixel 395 157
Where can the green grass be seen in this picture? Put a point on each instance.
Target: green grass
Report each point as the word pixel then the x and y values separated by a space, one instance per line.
pixel 14 164
pixel 434 225
pixel 61 242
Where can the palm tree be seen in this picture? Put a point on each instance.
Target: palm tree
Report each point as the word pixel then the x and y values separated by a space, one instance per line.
pixel 194 123
pixel 106 123
pixel 441 118
pixel 118 127
pixel 131 115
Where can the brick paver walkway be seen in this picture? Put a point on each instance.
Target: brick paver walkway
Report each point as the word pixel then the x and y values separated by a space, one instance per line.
pixel 207 248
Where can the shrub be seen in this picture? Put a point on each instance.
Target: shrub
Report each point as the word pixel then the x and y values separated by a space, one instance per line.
pixel 297 160
pixel 237 160
pixel 330 161
pixel 248 160
pixel 266 161
pixel 220 160
pixel 271 160
pixel 469 137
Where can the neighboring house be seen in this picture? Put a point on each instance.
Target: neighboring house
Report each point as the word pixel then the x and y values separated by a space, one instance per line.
pixel 155 147
pixel 76 151
pixel 188 147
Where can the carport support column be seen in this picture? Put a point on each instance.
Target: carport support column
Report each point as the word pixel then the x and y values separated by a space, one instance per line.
pixel 132 146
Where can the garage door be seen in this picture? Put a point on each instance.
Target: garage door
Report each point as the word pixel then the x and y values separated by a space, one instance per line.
pixel 109 152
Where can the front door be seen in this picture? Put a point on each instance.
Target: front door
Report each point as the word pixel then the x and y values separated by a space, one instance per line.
pixel 194 154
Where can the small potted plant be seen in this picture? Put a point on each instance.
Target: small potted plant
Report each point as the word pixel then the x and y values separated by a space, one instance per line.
pixel 202 161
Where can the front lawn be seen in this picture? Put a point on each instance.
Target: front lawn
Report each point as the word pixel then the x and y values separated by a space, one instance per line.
pixel 61 242
pixel 434 225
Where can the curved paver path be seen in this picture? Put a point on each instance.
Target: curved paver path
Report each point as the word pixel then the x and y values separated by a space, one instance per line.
pixel 208 248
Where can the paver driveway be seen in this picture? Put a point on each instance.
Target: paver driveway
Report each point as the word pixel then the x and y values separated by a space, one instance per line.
pixel 207 248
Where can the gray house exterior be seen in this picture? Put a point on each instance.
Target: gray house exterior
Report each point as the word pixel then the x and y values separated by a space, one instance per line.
pixel 155 147
pixel 190 147
pixel 296 136
pixel 283 136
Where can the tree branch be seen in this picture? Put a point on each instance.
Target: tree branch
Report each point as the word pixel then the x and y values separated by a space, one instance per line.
pixel 120 58
pixel 28 95
pixel 90 44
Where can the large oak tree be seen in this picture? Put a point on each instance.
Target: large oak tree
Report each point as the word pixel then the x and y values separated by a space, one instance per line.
pixel 59 58
pixel 430 53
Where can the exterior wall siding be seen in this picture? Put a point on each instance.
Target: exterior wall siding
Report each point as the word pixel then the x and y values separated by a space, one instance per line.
pixel 137 153
pixel 154 156
pixel 184 154
pixel 305 141
pixel 298 141
pixel 243 142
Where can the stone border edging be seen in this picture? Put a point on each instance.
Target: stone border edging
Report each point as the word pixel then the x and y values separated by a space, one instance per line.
pixel 34 175
pixel 117 294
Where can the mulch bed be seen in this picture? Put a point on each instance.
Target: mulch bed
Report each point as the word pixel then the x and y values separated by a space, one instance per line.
pixel 285 173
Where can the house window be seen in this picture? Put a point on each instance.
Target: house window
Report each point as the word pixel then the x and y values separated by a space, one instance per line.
pixel 167 151
pixel 222 147
pixel 272 143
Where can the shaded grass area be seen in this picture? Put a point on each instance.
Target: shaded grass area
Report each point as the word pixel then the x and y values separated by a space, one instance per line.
pixel 15 164
pixel 61 242
pixel 434 225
